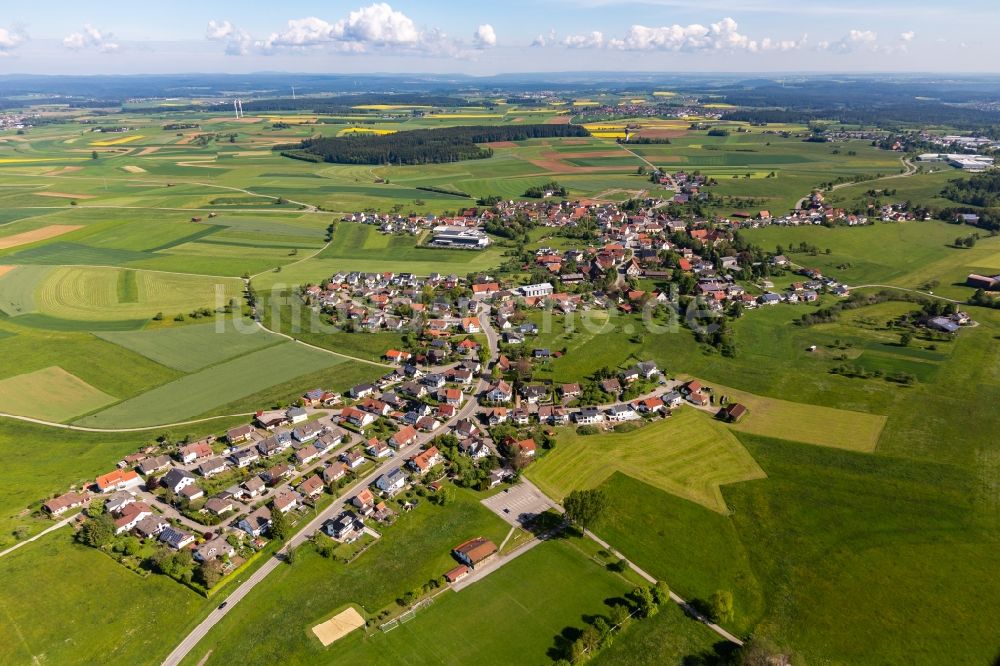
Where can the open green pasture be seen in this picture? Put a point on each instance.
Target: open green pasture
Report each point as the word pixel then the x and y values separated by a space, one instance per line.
pixel 688 455
pixel 906 255
pixel 42 580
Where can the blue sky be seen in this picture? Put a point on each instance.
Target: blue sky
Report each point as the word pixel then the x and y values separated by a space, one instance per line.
pixel 445 36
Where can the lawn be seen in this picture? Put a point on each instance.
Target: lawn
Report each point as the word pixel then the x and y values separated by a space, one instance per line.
pixel 516 614
pixel 51 394
pixel 202 391
pixel 195 346
pixel 669 637
pixel 689 455
pixel 65 603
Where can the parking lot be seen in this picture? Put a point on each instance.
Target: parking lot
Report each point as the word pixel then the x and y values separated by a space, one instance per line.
pixel 519 503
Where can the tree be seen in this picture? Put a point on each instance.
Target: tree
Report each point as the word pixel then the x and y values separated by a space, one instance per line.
pixel 98 532
pixel 445 495
pixel 720 606
pixel 644 601
pixel 905 339
pixel 208 574
pixel 661 592
pixel 279 525
pixel 584 507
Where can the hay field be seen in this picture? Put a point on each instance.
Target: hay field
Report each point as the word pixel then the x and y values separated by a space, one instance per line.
pixel 689 455
pixel 92 294
pixel 195 346
pixel 51 394
pixel 35 235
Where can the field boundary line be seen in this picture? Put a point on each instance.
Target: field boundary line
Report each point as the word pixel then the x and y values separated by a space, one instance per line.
pixel 67 426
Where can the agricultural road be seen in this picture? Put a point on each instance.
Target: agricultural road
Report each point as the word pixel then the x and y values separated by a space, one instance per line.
pixel 910 170
pixel 66 426
pixel 61 523
pixel 677 599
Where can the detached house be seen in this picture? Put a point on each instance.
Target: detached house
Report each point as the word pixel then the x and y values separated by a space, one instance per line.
pixel 196 451
pixel 257 523
pixel 391 482
pixel 500 392
pixel 425 460
pixel 177 480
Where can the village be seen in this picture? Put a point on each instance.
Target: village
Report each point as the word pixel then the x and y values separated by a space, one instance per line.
pixel 344 467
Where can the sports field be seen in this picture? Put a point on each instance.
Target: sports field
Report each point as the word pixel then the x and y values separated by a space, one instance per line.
pixel 689 455
pixel 338 626
pixel 217 385
pixel 51 394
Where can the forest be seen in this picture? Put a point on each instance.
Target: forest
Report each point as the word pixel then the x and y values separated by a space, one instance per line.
pixel 980 190
pixel 426 146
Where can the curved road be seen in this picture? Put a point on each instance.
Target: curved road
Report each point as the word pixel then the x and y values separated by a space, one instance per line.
pixel 910 170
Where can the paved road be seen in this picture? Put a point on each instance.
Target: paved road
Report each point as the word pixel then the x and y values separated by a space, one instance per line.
pixel 308 530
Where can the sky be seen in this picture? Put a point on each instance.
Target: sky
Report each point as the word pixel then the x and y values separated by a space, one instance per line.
pixel 510 36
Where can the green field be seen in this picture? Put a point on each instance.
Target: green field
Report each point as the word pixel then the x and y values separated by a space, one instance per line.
pixel 905 255
pixel 217 385
pixel 688 455
pixel 193 347
pixel 51 394
pixel 43 581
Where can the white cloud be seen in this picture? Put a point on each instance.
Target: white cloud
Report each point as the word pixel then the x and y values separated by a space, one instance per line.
pixel 721 36
pixel 91 38
pixel 907 36
pixel 860 41
pixel 218 30
pixel 768 44
pixel 238 41
pixel 10 39
pixel 377 25
pixel 594 40
pixel 544 40
pixel 484 37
